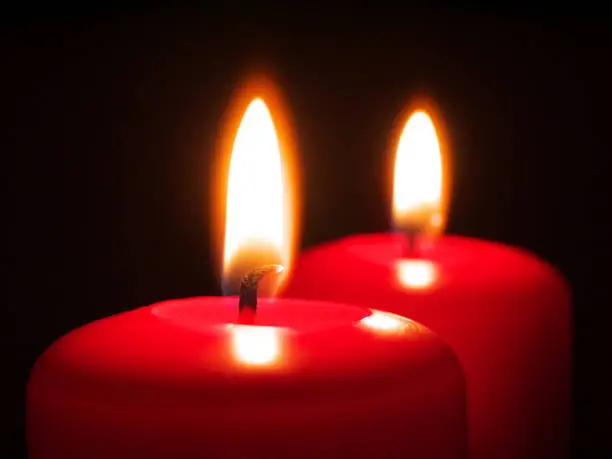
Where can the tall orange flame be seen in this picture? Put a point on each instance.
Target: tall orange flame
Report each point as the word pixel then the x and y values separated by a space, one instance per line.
pixel 256 188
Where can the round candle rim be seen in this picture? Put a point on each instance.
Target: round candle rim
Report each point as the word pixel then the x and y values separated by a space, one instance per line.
pixel 521 253
pixel 72 354
pixel 277 305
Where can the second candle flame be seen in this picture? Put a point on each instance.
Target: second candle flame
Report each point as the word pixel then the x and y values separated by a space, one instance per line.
pixel 418 192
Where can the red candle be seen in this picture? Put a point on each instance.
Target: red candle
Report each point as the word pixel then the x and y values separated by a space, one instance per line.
pixel 505 312
pixel 230 378
pixel 182 379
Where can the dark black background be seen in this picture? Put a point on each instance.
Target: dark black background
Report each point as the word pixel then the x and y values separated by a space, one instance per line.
pixel 109 118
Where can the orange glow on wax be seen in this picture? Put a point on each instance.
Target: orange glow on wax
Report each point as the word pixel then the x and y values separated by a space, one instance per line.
pixel 416 273
pixel 258 218
pixel 384 322
pixel 255 345
pixel 420 179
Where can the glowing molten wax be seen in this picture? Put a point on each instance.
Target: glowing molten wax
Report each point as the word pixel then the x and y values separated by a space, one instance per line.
pixel 384 322
pixel 416 274
pixel 255 345
pixel 417 183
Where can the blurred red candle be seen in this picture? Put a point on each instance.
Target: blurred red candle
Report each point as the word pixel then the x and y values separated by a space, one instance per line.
pixel 505 312
pixel 193 378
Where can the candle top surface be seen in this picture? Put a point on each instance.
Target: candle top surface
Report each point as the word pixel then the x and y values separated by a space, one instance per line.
pixel 486 259
pixel 196 345
pixel 208 314
pixel 382 248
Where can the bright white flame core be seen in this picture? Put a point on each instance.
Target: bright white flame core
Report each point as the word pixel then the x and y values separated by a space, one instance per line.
pixel 418 167
pixel 255 345
pixel 255 185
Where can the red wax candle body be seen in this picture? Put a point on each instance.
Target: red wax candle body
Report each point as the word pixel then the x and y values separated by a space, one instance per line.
pixel 181 379
pixel 505 313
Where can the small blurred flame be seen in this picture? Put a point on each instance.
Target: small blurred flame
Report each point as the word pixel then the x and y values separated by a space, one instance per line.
pixel 255 345
pixel 260 193
pixel 419 201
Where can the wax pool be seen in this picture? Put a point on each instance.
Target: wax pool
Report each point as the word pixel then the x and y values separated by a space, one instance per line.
pixel 181 379
pixel 505 313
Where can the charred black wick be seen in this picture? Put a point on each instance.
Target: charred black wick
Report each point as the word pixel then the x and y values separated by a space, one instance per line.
pixel 249 284
pixel 412 235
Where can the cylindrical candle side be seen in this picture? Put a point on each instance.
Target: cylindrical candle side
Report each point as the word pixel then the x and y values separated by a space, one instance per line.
pixel 506 314
pixel 182 379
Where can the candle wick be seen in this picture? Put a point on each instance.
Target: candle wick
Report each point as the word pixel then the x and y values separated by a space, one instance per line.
pixel 412 239
pixel 247 300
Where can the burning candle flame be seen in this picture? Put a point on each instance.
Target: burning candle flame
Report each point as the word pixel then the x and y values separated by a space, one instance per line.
pixel 255 186
pixel 259 214
pixel 418 183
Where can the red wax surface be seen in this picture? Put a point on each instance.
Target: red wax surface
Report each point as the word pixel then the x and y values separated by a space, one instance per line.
pixel 505 313
pixel 165 381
